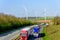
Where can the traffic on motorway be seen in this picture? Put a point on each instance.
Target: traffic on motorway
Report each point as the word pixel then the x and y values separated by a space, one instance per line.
pixel 30 31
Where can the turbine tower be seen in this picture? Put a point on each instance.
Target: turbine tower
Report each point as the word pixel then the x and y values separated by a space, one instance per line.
pixel 26 12
pixel 36 14
pixel 45 14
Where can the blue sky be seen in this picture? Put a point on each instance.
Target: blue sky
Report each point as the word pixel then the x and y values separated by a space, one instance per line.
pixel 19 8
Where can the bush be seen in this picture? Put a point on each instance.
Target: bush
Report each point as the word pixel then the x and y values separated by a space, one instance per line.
pixel 56 20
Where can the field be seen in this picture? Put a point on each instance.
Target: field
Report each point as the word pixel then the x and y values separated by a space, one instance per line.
pixel 52 32
pixel 40 18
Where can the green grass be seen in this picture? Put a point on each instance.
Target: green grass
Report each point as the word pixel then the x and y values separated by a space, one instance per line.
pixel 17 38
pixel 52 32
pixel 46 36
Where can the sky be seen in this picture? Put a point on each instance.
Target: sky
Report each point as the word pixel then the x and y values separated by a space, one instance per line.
pixel 31 8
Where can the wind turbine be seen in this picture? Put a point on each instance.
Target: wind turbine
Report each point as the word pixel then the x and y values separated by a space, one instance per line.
pixel 36 14
pixel 26 12
pixel 45 14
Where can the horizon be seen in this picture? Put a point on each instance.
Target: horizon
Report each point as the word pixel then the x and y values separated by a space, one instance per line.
pixel 31 8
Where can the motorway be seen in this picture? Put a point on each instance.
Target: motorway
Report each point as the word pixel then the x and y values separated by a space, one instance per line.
pixel 9 35
pixel 12 34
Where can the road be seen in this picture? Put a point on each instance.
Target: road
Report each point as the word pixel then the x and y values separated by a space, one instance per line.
pixel 10 35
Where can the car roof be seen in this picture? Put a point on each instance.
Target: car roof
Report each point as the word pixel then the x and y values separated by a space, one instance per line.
pixel 27 28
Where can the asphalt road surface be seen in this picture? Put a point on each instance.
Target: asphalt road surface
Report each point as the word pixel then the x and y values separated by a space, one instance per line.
pixel 10 35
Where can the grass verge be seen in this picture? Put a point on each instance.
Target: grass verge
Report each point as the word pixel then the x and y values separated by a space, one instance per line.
pixel 52 32
pixel 46 36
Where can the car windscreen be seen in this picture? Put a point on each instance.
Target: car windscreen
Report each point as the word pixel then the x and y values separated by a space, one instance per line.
pixel 23 34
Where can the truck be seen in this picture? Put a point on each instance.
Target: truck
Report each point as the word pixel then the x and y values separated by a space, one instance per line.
pixel 36 30
pixel 24 34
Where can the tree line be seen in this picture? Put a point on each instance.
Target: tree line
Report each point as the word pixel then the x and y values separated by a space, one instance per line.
pixel 56 20
pixel 9 22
